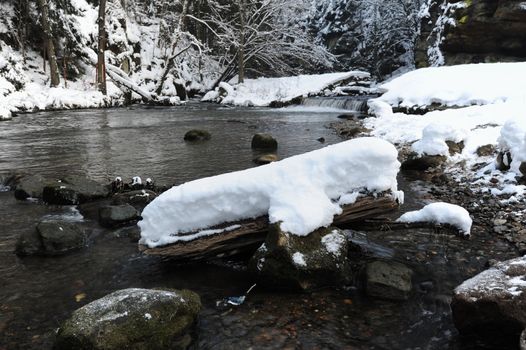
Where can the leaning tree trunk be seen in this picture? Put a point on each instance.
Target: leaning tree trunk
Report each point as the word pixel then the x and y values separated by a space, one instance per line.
pixel 101 63
pixel 46 28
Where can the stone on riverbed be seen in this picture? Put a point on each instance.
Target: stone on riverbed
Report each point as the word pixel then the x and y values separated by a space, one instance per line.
pixel 118 215
pixel 288 261
pixel 73 190
pixel 494 301
pixel 133 319
pixel 139 199
pixel 424 162
pixel 197 135
pixel 266 159
pixel 388 280
pixel 30 186
pixel 52 238
pixel 264 141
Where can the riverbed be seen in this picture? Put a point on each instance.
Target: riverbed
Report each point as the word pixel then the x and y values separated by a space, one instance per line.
pixel 37 294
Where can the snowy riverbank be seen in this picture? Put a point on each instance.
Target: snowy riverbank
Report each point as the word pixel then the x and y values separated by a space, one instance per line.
pixel 482 105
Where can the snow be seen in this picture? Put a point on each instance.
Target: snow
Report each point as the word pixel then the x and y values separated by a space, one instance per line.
pixel 300 192
pixel 461 85
pixel 263 91
pixel 434 137
pixel 479 104
pixel 299 259
pixel 441 213
pixel 333 242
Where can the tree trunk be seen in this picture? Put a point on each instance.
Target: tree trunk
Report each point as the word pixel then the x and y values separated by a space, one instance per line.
pixel 251 233
pixel 241 49
pixel 46 28
pixel 101 63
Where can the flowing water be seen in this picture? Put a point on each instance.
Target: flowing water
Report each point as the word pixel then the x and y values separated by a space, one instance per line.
pixel 37 294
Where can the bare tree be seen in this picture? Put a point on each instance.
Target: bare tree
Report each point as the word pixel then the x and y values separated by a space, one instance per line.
pixel 101 63
pixel 263 35
pixel 48 42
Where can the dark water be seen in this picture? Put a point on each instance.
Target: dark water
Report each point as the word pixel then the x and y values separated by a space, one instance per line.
pixel 37 294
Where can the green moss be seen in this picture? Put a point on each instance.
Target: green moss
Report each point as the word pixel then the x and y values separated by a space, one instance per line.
pixel 468 3
pixel 463 20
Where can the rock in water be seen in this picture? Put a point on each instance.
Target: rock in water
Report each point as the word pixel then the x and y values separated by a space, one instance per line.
pixel 30 186
pixel 266 159
pixel 52 238
pixel 388 280
pixel 139 199
pixel 288 261
pixel 73 190
pixel 493 303
pixel 133 319
pixel 264 141
pixel 197 135
pixel 118 215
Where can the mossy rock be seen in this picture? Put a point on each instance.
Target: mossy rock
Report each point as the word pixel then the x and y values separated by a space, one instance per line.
pixel 133 318
pixel 197 135
pixel 288 261
pixel 264 142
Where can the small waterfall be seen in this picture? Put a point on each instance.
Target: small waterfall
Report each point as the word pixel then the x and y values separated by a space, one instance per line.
pixel 350 103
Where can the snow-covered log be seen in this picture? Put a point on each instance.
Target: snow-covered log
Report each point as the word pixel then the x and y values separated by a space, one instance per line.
pixel 302 193
pixel 247 235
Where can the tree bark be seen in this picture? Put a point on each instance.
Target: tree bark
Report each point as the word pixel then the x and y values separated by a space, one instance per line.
pixel 50 47
pixel 101 63
pixel 241 49
pixel 252 233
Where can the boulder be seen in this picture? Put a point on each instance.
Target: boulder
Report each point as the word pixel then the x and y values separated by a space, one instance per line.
pixel 139 199
pixel 287 261
pixel 421 163
pixel 197 135
pixel 266 159
pixel 486 150
pixel 455 147
pixel 133 319
pixel 503 162
pixel 118 215
pixel 388 280
pixel 73 190
pixel 493 303
pixel 30 186
pixel 52 238
pixel 264 141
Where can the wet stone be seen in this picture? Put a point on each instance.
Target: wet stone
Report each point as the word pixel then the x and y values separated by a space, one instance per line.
pixel 52 238
pixel 264 141
pixel 388 280
pixel 133 319
pixel 197 135
pixel 118 215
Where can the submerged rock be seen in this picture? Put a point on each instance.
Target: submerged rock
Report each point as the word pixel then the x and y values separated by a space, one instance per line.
pixel 494 301
pixel 266 159
pixel 73 190
pixel 133 319
pixel 118 215
pixel 264 141
pixel 52 238
pixel 388 280
pixel 197 135
pixel 288 261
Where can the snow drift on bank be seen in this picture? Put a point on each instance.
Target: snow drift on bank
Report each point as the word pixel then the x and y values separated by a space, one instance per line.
pixel 262 91
pixel 302 192
pixel 475 101
pixel 462 85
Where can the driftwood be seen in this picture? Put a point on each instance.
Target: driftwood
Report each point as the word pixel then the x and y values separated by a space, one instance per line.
pixel 251 233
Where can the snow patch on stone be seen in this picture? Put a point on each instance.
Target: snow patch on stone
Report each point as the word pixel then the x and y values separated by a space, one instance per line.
pixel 441 213
pixel 299 259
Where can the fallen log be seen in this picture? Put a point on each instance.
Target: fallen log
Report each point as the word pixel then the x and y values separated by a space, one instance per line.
pixel 252 233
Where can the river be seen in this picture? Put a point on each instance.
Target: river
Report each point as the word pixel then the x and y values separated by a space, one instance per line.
pixel 37 294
